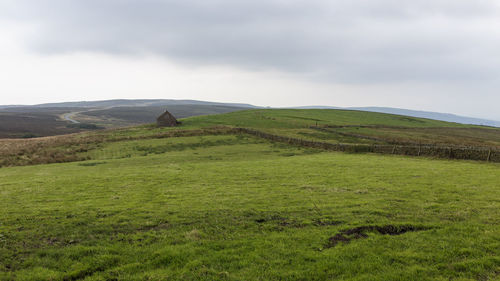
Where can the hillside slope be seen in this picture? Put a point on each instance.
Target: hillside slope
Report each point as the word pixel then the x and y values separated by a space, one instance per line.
pixel 432 115
pixel 447 117
pixel 297 118
pixel 358 127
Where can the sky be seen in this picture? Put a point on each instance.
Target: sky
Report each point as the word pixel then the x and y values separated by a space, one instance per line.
pixel 436 55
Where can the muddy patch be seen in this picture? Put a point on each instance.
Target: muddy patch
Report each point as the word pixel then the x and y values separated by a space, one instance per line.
pixel 362 232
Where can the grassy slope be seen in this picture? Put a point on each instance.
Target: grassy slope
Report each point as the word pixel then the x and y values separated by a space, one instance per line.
pixel 437 135
pixel 297 123
pixel 239 208
pixel 299 118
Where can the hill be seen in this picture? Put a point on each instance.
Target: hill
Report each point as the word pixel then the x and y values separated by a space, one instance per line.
pixel 136 115
pixel 418 113
pixel 209 200
pixel 355 127
pixel 138 102
pixel 62 118
pixel 432 115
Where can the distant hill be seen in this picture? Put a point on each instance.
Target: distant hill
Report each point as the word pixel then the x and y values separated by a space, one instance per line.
pixel 134 115
pixel 155 103
pixel 432 115
pixel 417 113
pixel 52 118
pixel 140 102
pixel 10 106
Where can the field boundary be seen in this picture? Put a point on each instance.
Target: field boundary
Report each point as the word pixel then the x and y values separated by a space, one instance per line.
pixel 67 149
pixel 449 152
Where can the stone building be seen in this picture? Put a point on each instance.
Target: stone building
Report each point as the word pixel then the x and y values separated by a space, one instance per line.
pixel 166 120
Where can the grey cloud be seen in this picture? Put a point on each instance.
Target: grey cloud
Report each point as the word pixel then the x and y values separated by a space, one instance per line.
pixel 351 41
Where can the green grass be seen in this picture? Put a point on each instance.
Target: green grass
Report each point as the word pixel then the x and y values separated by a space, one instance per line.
pixel 488 137
pixel 299 123
pixel 196 203
pixel 239 208
pixel 126 149
pixel 300 118
pixel 387 128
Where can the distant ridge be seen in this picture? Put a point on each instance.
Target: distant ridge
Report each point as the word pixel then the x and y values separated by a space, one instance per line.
pixel 171 102
pixel 49 119
pixel 432 115
pixel 11 106
pixel 417 113
pixel 140 102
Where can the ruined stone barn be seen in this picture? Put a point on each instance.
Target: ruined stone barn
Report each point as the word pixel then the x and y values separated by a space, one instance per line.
pixel 166 120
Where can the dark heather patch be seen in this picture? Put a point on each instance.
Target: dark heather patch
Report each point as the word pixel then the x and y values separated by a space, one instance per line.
pixel 361 232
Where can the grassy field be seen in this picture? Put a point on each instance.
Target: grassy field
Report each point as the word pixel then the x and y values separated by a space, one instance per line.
pixel 187 204
pixel 357 127
pixel 300 118
pixel 239 208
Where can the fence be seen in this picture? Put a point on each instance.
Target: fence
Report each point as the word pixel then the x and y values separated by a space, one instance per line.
pixel 67 149
pixel 468 153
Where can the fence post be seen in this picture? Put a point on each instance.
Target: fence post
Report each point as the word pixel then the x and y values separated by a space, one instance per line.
pixel 489 155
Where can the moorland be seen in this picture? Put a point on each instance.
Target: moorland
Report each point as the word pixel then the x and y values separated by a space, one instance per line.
pixel 73 117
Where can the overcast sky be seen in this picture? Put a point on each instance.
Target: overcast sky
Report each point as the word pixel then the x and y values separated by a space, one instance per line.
pixel 438 55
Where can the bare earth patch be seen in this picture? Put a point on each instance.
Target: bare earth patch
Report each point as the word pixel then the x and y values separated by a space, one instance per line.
pixel 361 232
